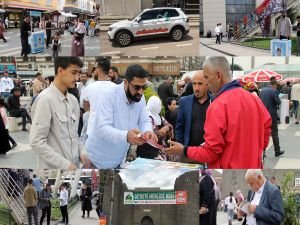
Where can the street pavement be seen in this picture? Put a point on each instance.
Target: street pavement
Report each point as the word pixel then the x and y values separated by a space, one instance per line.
pixel 289 135
pixel 208 47
pixel 13 45
pixel 188 46
pixel 222 219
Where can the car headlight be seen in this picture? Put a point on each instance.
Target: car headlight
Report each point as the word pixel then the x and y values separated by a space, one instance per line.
pixel 111 28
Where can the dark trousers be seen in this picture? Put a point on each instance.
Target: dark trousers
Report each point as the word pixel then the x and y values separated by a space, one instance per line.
pixel 295 108
pixel 25 47
pixel 275 137
pixel 21 113
pixel 64 214
pixel 88 212
pixel 32 211
pixel 218 39
pixel 46 210
pixel 283 37
pixel 48 39
pixel 80 125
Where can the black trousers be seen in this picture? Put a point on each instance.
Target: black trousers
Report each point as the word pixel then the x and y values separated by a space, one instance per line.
pixel 275 137
pixel 32 211
pixel 46 210
pixel 25 47
pixel 218 39
pixel 48 34
pixel 64 213
pixel 21 113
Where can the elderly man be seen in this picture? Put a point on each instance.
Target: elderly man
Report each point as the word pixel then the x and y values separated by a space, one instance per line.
pixel 266 205
pixel 237 125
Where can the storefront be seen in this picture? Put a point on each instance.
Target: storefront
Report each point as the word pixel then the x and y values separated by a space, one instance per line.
pixel 10 68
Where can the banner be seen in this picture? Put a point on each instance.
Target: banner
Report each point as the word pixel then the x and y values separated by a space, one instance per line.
pixel 162 197
pixel 37 42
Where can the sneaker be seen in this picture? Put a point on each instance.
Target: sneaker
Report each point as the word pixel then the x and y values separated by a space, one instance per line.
pixel 24 129
pixel 279 153
pixel 14 145
pixel 297 123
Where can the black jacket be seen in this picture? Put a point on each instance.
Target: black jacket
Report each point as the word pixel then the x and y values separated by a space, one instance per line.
pixel 165 91
pixel 24 29
pixel 269 96
pixel 13 103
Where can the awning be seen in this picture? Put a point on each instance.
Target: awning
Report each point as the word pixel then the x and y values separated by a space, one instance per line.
pixel 26 7
pixel 67 14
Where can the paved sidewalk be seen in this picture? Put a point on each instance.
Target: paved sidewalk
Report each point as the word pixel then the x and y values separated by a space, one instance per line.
pixel 209 44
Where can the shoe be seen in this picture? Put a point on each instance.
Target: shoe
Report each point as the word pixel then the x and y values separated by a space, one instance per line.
pixel 82 216
pixel 24 129
pixel 14 145
pixel 297 123
pixel 279 153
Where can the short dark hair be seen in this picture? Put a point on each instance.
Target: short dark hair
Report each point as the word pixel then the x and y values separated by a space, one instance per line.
pixel 288 83
pixel 30 181
pixel 273 178
pixel 103 63
pixel 273 82
pixel 170 100
pixel 115 69
pixel 34 175
pixel 5 72
pixel 65 62
pixel 272 78
pixel 38 74
pixel 16 89
pixel 135 70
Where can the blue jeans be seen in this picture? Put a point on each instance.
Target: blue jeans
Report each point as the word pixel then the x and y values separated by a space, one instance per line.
pixel 295 107
pixel 5 95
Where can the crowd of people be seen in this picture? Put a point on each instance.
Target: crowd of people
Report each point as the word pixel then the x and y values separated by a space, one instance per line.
pixel 263 205
pixel 102 118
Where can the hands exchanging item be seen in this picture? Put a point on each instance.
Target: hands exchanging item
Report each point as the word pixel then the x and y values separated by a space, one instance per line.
pixel 134 137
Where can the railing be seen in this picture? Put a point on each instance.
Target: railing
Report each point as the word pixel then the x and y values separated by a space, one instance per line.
pixel 252 26
pixel 12 195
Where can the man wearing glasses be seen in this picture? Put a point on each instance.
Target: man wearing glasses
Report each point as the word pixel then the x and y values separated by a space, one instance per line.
pixel 120 118
pixel 55 112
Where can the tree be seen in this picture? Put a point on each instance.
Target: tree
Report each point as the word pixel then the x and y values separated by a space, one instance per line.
pixel 289 199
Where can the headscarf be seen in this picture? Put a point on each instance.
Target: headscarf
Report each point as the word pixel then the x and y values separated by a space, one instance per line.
pixel 154 107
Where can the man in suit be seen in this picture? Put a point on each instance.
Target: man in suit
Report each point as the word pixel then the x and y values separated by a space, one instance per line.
pixel 266 205
pixel 192 114
pixel 270 98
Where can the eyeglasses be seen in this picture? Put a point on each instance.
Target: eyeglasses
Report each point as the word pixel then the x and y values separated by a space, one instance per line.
pixel 139 87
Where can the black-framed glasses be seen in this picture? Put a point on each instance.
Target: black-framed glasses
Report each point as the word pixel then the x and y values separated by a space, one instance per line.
pixel 139 87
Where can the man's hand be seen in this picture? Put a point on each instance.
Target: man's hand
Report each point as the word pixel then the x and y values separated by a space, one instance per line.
pixel 174 149
pixel 134 138
pixel 72 167
pixel 251 208
pixel 163 131
pixel 203 210
pixel 85 161
pixel 151 136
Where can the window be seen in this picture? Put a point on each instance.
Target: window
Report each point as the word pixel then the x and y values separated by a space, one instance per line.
pixel 149 15
pixel 173 13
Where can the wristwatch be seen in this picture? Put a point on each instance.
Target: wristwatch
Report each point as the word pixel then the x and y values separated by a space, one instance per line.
pixel 185 149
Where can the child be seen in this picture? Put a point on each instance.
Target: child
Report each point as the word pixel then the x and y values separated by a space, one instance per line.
pixel 56 45
pixel 79 32
pixel 5 120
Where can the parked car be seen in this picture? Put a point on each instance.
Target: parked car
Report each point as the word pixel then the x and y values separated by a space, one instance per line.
pixel 150 23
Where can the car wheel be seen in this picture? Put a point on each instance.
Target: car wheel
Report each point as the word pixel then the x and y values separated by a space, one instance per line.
pixel 124 38
pixel 176 34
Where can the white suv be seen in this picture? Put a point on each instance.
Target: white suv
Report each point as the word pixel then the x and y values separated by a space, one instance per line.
pixel 156 22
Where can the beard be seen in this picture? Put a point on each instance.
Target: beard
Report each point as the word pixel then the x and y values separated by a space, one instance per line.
pixel 136 98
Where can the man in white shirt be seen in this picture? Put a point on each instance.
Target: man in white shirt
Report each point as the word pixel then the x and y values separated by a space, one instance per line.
pixel 63 202
pixel 217 31
pixel 6 85
pixel 284 27
pixel 266 205
pixel 120 117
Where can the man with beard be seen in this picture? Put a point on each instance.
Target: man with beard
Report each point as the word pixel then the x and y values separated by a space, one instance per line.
pixel 114 75
pixel 192 113
pixel 120 117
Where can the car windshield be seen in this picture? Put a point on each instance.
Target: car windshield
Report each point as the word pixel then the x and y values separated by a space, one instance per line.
pixel 136 15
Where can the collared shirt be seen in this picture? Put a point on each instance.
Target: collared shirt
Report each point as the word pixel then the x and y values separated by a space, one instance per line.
pixel 63 197
pixel 30 196
pixel 53 134
pixel 6 84
pixel 107 143
pixel 251 220
pixel 198 121
pixel 82 91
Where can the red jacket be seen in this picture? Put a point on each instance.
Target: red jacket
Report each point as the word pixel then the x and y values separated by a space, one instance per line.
pixel 237 130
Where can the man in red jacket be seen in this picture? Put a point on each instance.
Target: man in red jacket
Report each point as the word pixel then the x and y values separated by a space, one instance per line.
pixel 237 126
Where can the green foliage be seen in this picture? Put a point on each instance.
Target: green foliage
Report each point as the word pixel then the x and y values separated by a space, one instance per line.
pixel 5 215
pixel 55 209
pixel 289 199
pixel 150 92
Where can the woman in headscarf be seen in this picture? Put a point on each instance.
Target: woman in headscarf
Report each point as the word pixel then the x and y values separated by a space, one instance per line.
pixel 162 128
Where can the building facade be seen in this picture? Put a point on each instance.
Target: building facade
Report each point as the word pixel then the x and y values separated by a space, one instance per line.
pixel 149 214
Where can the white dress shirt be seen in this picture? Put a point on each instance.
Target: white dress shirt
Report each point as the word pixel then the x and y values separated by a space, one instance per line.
pixel 251 220
pixel 63 197
pixel 114 116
